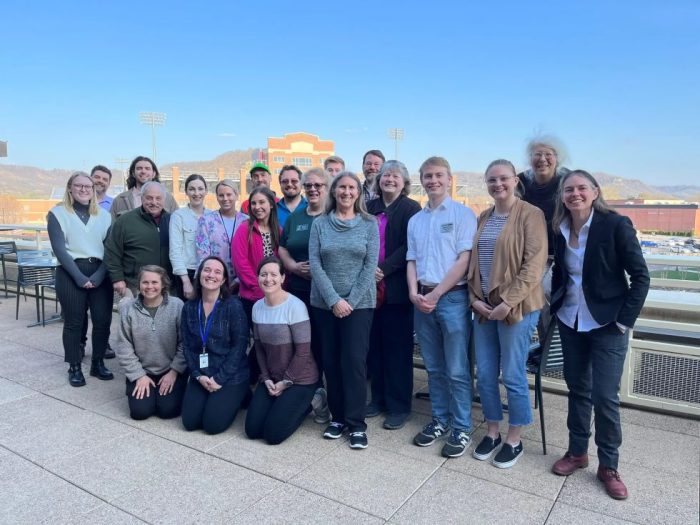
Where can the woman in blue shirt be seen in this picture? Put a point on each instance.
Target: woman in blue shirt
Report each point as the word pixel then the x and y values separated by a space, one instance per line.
pixel 215 338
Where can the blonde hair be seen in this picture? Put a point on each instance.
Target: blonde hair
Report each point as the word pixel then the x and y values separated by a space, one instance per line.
pixel 68 198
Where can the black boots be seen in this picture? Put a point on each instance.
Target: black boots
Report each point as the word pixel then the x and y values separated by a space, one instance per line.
pixel 109 353
pixel 99 370
pixel 75 375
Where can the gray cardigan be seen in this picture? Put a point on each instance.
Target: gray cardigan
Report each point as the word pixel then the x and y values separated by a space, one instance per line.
pixel 149 345
pixel 343 256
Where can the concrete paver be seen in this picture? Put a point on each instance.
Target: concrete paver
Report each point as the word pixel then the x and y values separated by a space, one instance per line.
pixel 73 455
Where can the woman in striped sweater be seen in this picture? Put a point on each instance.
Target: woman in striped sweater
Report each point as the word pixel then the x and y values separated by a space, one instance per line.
pixel 288 372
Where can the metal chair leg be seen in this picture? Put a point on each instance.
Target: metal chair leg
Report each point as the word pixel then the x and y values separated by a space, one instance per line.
pixel 541 409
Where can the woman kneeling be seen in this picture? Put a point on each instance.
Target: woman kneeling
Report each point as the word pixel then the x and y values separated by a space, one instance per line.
pixel 215 338
pixel 149 347
pixel 288 372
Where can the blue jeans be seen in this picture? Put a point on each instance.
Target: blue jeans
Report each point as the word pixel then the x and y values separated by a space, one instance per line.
pixel 502 348
pixel 593 366
pixel 443 336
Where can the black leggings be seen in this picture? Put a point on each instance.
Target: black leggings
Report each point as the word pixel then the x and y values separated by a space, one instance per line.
pixel 276 418
pixel 74 302
pixel 165 407
pixel 213 412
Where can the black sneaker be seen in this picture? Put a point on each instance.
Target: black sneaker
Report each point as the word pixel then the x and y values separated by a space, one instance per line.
pixel 334 430
pixel 358 440
pixel 508 455
pixel 395 421
pixel 373 409
pixel 456 444
pixel 486 448
pixel 430 433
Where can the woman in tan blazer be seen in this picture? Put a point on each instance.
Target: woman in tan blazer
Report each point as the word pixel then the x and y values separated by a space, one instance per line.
pixel 505 287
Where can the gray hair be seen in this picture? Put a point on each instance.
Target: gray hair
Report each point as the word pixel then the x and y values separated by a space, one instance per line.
pixel 359 207
pixel 318 172
pixel 548 141
pixel 394 165
pixel 152 184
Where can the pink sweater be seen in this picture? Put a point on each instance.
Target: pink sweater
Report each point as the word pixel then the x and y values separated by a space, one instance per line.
pixel 245 258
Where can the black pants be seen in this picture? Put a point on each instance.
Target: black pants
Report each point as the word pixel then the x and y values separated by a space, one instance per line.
pixel 305 296
pixel 252 359
pixel 345 343
pixel 276 418
pixel 165 407
pixel 390 357
pixel 593 366
pixel 213 412
pixel 177 284
pixel 74 302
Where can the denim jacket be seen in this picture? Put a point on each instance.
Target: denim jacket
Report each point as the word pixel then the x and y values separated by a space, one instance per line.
pixel 226 344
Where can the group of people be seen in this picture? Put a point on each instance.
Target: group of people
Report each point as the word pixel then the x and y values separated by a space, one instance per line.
pixel 331 286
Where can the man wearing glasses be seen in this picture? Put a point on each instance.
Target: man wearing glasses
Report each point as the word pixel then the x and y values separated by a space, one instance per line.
pixel 290 184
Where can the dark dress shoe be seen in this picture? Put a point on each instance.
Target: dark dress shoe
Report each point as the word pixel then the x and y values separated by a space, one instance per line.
pixel 75 375
pixel 614 485
pixel 100 371
pixel 109 353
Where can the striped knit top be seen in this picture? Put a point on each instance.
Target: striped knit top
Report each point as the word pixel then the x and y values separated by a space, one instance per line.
pixel 487 244
pixel 282 337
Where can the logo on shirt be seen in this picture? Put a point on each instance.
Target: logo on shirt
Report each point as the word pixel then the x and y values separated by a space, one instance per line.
pixel 302 227
pixel 447 227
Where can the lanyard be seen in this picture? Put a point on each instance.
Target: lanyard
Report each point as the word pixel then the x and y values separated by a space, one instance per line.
pixel 204 334
pixel 233 230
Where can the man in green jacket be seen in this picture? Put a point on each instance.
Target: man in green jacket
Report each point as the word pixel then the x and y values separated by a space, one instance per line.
pixel 137 238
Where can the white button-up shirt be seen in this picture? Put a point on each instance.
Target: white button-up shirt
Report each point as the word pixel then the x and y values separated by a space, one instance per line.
pixel 574 304
pixel 437 236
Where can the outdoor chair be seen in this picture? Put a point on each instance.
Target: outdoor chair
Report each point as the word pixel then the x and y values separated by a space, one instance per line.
pixel 6 248
pixel 551 363
pixel 35 268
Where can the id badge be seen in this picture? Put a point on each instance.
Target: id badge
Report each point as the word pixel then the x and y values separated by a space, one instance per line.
pixel 203 360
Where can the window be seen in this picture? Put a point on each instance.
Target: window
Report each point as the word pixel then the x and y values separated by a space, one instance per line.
pixel 302 162
pixel 278 159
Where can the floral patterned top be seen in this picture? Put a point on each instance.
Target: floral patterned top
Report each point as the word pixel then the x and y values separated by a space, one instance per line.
pixel 212 238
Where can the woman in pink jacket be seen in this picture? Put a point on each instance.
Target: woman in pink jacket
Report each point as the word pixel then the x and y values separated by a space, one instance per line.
pixel 252 244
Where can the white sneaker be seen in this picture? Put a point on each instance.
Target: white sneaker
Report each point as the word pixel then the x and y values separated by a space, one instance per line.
pixel 319 404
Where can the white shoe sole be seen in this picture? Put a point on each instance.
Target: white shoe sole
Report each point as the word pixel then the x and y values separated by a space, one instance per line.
pixel 510 463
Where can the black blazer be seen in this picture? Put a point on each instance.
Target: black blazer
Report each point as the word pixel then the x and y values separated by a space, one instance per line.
pixel 398 214
pixel 612 249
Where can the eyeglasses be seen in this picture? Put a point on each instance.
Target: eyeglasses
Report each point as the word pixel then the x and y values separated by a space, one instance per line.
pixel 83 186
pixel 543 155
pixel 313 186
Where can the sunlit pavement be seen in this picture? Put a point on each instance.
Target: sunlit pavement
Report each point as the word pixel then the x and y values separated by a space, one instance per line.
pixel 72 455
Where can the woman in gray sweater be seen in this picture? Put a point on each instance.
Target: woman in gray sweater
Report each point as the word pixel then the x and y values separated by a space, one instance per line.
pixel 149 347
pixel 343 254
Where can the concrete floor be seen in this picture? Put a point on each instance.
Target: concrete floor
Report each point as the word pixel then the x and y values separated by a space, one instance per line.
pixel 72 455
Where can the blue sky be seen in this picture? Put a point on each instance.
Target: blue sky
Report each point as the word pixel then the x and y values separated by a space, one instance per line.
pixel 618 81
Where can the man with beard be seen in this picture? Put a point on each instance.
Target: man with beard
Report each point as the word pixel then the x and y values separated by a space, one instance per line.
pixel 372 162
pixel 101 178
pixel 290 184
pixel 139 237
pixel 141 171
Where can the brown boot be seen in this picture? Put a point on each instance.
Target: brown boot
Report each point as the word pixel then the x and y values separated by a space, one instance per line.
pixel 569 464
pixel 614 485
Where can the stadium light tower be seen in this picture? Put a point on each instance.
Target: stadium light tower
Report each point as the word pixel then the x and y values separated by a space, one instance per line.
pixel 396 134
pixel 153 119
